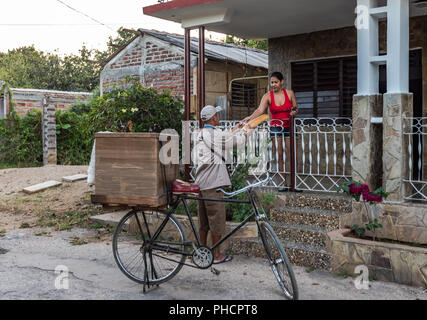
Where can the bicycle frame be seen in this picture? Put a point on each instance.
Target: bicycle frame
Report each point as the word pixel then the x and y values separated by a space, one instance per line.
pixel 183 198
pixel 227 236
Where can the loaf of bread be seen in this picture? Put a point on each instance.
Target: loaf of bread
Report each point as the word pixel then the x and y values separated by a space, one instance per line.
pixel 256 122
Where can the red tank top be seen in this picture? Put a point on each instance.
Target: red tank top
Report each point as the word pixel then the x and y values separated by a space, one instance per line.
pixel 282 112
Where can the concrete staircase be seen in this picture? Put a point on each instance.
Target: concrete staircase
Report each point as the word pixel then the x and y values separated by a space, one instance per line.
pixel 302 221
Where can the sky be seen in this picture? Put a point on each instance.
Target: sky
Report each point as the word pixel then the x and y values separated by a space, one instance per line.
pixel 52 26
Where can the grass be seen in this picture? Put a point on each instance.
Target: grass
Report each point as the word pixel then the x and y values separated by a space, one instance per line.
pixel 96 225
pixel 19 165
pixel 310 269
pixel 25 225
pixel 43 233
pixel 76 241
pixel 67 220
pixel 2 233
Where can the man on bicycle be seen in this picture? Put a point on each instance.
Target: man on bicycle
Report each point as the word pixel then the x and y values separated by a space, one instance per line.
pixel 212 174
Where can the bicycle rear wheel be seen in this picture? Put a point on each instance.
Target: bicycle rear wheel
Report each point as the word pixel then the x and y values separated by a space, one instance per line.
pixel 279 261
pixel 142 258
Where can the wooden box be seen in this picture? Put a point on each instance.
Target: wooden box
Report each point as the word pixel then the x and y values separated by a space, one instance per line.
pixel 128 171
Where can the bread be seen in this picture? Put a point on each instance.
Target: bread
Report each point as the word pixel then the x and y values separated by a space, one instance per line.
pixel 256 122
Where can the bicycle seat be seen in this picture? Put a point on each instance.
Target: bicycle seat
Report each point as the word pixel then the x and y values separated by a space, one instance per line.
pixel 182 187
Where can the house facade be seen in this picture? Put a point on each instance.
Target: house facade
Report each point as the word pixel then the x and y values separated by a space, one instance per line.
pixel 156 60
pixel 359 71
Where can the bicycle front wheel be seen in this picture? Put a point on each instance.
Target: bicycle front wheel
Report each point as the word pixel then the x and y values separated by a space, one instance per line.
pixel 144 258
pixel 279 261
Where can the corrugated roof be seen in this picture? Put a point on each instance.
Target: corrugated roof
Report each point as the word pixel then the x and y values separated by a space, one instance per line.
pixel 217 50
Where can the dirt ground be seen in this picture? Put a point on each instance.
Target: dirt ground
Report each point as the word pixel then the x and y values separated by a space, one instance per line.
pixel 18 209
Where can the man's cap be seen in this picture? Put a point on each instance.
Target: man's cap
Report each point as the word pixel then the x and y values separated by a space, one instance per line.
pixel 208 112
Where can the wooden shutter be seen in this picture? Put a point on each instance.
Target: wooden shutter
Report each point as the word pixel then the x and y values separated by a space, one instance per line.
pixel 303 86
pixel 325 88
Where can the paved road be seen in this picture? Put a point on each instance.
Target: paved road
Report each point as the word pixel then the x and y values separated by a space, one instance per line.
pixel 27 271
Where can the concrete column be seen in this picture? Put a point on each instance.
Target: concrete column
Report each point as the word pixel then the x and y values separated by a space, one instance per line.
pixel 367 48
pixel 367 140
pixel 395 155
pixel 398 46
pixel 49 133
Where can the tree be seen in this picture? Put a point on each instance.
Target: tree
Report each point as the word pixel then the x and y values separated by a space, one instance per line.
pixel 257 44
pixel 27 67
pixel 123 36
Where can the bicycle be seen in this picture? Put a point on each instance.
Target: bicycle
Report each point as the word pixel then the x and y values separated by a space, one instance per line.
pixel 155 246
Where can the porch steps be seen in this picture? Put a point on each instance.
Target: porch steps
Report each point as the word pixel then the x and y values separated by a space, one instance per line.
pixel 299 254
pixel 302 221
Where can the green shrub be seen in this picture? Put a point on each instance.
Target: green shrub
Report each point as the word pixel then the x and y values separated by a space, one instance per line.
pixel 21 140
pixel 237 212
pixel 148 110
pixel 74 138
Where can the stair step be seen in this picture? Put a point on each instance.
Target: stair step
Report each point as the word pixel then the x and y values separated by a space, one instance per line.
pixel 312 235
pixel 298 254
pixel 334 202
pixel 306 216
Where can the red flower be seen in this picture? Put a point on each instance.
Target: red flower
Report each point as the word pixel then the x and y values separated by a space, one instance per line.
pixel 385 214
pixel 372 198
pixel 365 188
pixel 355 189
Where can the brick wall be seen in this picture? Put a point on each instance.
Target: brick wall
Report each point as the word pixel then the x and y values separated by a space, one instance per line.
pixel 149 61
pixel 31 99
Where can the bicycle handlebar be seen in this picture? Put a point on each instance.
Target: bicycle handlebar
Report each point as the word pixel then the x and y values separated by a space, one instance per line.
pixel 256 184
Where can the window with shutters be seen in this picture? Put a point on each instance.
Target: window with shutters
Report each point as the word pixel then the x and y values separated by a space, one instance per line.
pixel 243 99
pixel 325 88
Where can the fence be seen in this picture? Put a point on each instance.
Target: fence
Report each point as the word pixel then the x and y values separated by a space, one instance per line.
pixel 415 135
pixel 322 154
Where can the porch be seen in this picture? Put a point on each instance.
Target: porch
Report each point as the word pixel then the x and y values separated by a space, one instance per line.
pixel 358 69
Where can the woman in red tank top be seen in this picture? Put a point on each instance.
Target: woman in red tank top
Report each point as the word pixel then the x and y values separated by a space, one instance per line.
pixel 282 105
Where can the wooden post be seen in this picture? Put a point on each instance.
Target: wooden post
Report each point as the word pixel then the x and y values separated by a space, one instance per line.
pixel 293 155
pixel 187 93
pixel 201 73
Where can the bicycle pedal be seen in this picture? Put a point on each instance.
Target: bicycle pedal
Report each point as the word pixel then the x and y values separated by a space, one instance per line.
pixel 215 271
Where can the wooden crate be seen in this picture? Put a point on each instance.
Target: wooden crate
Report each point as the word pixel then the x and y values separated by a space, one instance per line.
pixel 128 171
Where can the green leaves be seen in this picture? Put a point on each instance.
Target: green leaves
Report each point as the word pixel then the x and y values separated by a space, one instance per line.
pixel 145 108
pixel 371 226
pixel 21 140
pixel 360 231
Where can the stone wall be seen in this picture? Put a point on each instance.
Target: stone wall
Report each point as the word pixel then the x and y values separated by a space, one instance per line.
pixel 405 222
pixel 384 261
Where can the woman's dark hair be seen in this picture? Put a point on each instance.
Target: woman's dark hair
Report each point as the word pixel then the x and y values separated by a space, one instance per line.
pixel 277 75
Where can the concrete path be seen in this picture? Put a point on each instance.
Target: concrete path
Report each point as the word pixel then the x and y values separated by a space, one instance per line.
pixel 27 271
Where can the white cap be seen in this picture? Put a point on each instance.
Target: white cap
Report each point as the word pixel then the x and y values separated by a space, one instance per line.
pixel 208 112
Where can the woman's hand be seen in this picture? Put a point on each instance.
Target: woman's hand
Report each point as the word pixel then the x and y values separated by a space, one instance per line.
pixel 294 111
pixel 246 120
